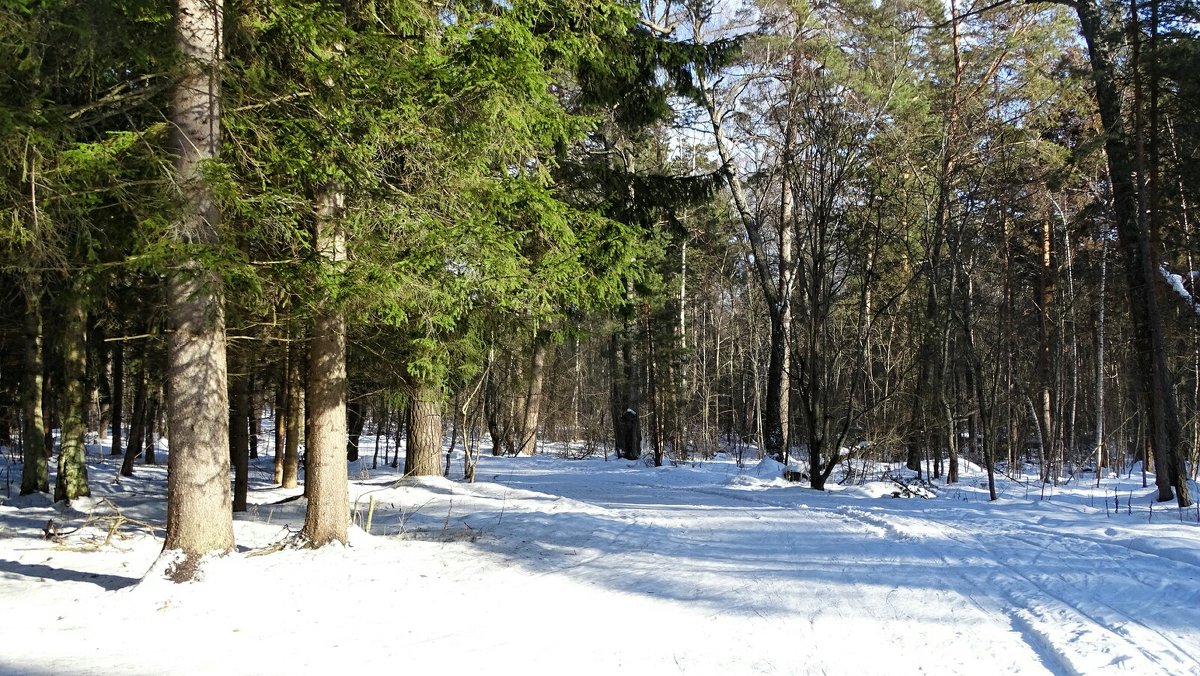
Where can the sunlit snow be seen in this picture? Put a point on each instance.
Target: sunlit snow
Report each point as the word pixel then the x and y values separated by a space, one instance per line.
pixel 562 567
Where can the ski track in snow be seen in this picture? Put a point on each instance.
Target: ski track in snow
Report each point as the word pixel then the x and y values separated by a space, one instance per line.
pixel 1053 612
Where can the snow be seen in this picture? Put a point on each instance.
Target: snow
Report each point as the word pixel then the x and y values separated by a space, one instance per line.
pixel 555 566
pixel 1177 284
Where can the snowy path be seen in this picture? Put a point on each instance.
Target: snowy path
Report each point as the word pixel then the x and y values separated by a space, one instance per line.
pixel 1076 603
pixel 556 567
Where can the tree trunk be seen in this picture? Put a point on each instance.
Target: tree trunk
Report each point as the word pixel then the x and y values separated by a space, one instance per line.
pixel 239 430
pixel 48 404
pixel 355 421
pixel 499 423
pixel 118 395
pixel 328 515
pixel 776 280
pixel 775 415
pixel 153 409
pixel 295 415
pixel 1132 232
pixel 1045 365
pixel 35 469
pixel 533 398
pixel 1100 345
pixel 137 423
pixel 279 412
pixel 199 511
pixel 72 479
pixel 423 450
pixel 256 413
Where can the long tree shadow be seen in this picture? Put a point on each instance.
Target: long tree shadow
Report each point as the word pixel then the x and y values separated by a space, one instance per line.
pixel 13 569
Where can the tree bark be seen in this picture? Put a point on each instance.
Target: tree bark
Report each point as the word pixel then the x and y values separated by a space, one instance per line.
pixel 153 409
pixel 1132 232
pixel 72 481
pixel 35 469
pixel 355 422
pixel 1100 346
pixel 1045 363
pixel 137 423
pixel 533 398
pixel 328 515
pixel 239 431
pixel 295 416
pixel 118 395
pixel 423 456
pixel 199 511
pixel 256 411
pixel 280 414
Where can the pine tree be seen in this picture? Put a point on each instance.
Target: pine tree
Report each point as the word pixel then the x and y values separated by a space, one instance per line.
pixel 199 511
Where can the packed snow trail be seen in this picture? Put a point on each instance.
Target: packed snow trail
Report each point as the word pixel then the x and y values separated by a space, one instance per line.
pixel 1080 603
pixel 549 566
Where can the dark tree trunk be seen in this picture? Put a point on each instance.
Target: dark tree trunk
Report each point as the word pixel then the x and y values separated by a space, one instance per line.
pixel 775 414
pixel 118 395
pixel 35 470
pixel 137 423
pixel 355 421
pixel 499 423
pixel 239 430
pixel 153 415
pixel 1132 232
pixel 295 416
pixel 626 398
pixel 256 413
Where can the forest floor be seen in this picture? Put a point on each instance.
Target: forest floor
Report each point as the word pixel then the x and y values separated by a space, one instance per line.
pixel 548 565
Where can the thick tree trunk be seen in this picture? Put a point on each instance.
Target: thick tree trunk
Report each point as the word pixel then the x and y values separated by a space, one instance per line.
pixel 423 450
pixel 1132 232
pixel 199 511
pixel 35 470
pixel 326 481
pixel 533 398
pixel 72 481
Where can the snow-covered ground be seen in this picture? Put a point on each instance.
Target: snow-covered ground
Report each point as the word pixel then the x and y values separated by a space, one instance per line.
pixel 555 566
